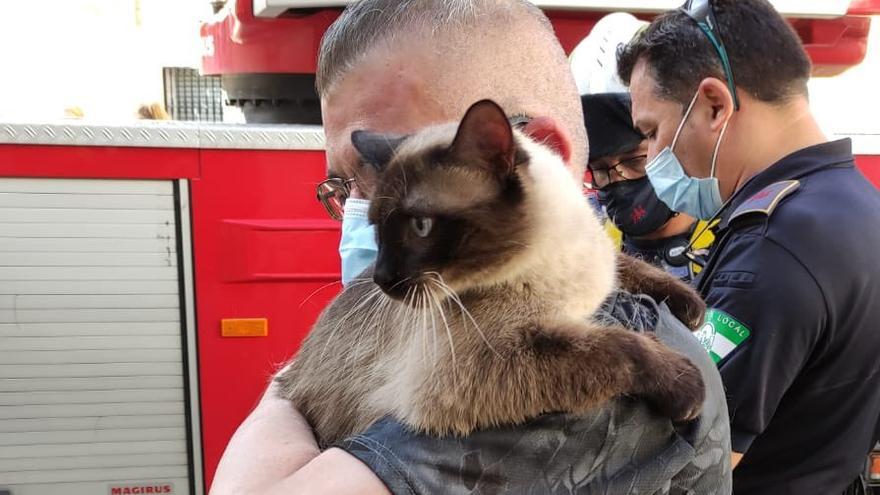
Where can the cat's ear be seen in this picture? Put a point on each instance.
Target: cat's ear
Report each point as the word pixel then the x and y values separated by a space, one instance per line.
pixel 485 138
pixel 375 149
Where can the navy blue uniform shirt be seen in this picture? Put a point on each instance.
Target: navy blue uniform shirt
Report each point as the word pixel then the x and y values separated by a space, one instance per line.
pixel 793 287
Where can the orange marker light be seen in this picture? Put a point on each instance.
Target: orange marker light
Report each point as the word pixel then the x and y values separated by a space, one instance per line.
pixel 244 327
pixel 875 467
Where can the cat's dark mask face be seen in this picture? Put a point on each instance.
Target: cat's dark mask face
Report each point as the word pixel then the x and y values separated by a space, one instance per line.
pixel 448 204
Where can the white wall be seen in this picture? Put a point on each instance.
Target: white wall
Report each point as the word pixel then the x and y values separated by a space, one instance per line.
pixel 850 102
pixel 104 56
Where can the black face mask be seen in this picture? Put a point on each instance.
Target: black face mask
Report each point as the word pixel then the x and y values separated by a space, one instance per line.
pixel 634 207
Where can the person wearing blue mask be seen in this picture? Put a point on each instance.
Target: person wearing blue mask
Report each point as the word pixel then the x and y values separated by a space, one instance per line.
pixel 379 69
pixel 357 247
pixel 649 229
pixel 719 89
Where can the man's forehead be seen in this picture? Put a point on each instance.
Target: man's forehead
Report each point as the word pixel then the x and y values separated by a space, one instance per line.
pixel 382 93
pixel 642 94
pixel 647 106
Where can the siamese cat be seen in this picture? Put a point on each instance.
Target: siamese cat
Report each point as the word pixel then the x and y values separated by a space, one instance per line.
pixel 478 311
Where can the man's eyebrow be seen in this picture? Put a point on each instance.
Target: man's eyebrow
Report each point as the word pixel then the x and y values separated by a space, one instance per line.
pixel 334 175
pixel 639 127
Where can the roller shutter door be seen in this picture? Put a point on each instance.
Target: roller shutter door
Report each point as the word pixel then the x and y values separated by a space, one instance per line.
pixel 92 395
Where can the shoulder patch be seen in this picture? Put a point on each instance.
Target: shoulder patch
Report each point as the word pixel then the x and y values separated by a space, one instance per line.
pixel 721 334
pixel 766 200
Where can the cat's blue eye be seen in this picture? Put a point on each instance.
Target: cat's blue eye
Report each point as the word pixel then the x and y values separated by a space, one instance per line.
pixel 422 226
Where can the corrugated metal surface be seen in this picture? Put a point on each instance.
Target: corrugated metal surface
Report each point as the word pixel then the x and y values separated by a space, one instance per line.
pixel 166 134
pixel 91 371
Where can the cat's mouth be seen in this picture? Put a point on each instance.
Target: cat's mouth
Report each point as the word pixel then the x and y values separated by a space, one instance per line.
pixel 428 286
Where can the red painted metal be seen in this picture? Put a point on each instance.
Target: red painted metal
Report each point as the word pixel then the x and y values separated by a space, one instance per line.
pixel 572 27
pixel 834 45
pixel 242 43
pixel 870 166
pixel 262 247
pixel 97 162
pixel 864 7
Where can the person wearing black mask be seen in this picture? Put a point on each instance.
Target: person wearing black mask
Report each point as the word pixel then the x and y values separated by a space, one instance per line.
pixel 618 156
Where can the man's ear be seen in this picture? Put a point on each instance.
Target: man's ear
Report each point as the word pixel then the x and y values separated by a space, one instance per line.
pixel 544 130
pixel 485 139
pixel 717 93
pixel 375 149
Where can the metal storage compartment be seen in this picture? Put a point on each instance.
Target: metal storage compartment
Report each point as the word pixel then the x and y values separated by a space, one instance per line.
pixel 94 393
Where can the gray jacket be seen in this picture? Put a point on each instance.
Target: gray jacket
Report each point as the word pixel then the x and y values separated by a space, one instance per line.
pixel 623 448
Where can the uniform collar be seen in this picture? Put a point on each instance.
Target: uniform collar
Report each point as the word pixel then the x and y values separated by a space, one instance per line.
pixel 794 166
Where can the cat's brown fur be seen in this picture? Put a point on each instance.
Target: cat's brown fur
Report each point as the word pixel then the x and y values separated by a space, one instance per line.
pixel 485 321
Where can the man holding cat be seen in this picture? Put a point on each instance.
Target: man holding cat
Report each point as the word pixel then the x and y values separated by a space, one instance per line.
pixel 720 90
pixel 395 66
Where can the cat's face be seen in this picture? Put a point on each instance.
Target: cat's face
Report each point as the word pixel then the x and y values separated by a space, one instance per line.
pixel 448 206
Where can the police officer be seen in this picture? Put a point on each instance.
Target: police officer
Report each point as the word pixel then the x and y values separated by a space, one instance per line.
pixel 618 155
pixel 719 88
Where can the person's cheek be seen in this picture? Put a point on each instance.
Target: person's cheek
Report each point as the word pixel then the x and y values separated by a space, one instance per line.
pixel 652 150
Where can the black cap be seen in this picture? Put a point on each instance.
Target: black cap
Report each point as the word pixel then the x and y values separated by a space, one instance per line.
pixel 609 124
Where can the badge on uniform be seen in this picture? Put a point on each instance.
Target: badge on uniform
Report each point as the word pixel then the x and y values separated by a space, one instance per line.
pixel 721 334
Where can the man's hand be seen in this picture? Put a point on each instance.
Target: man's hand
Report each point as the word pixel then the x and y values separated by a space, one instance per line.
pixel 274 452
pixel 735 457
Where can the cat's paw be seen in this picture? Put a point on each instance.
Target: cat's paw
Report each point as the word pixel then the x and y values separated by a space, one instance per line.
pixel 674 386
pixel 685 303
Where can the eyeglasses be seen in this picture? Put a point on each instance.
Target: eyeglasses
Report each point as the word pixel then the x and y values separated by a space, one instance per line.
pixel 627 169
pixel 332 193
pixel 702 13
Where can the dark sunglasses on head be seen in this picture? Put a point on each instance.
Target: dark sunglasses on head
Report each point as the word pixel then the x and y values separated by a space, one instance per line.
pixel 702 13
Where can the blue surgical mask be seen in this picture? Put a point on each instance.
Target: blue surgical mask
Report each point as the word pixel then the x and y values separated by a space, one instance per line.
pixel 698 197
pixel 357 248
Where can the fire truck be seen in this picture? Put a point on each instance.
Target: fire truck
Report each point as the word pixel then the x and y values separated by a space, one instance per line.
pixel 154 275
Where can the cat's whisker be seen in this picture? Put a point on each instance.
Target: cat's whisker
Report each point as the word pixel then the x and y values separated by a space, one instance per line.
pixel 388 214
pixel 407 279
pixel 423 309
pixel 319 289
pixel 438 305
pixel 408 307
pixel 344 320
pixel 464 311
pixel 405 187
pixel 429 294
pixel 423 333
pixel 367 328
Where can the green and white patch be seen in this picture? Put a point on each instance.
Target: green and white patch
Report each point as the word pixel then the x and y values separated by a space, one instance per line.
pixel 721 334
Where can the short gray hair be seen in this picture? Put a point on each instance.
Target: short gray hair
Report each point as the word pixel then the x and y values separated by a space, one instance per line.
pixel 366 23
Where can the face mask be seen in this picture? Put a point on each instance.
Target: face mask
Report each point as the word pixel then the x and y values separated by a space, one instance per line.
pixel 634 207
pixel 699 198
pixel 357 248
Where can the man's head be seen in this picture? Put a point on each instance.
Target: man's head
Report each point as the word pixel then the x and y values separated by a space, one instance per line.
pixel 673 60
pixel 618 156
pixel 396 66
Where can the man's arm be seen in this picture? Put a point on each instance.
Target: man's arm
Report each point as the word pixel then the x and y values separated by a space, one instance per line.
pixel 274 452
pixel 766 315
pixel 735 457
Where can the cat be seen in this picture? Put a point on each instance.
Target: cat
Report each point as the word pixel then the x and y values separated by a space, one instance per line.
pixel 477 312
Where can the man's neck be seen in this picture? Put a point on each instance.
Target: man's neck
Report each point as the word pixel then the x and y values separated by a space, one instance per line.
pixel 774 133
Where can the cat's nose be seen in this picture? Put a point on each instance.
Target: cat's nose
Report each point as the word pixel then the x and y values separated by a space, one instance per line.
pixel 389 281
